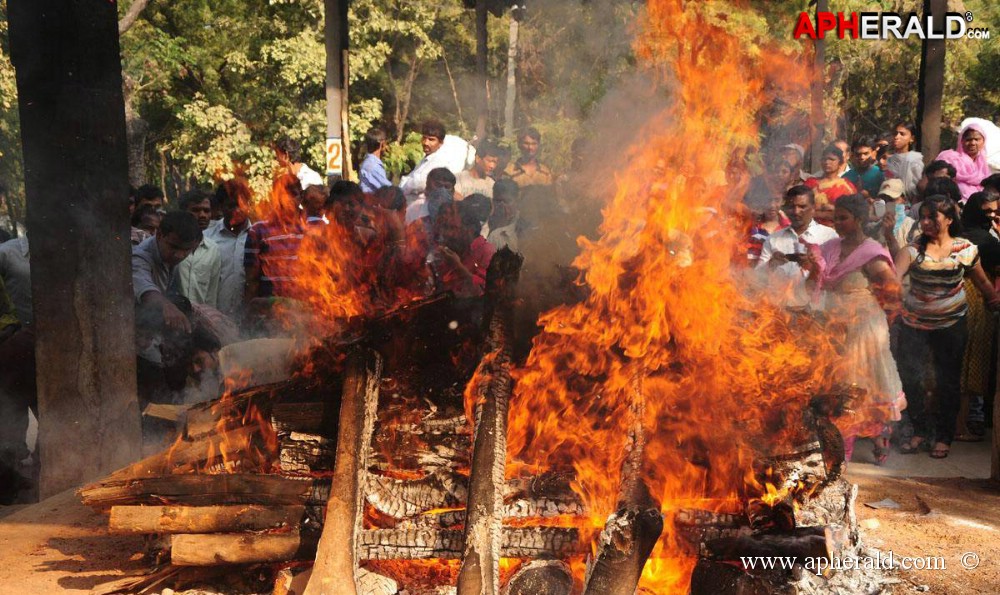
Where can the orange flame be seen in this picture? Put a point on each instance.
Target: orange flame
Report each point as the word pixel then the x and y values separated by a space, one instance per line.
pixel 723 376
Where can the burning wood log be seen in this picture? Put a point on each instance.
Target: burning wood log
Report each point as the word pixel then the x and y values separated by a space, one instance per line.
pixel 480 571
pixel 203 519
pixel 623 547
pixel 336 567
pixel 540 577
pixel 300 453
pixel 191 453
pixel 810 542
pixel 206 490
pixel 241 548
pixel 373 544
pixel 401 499
pixel 630 533
pixel 417 544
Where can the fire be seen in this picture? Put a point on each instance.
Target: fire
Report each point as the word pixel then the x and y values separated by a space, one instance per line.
pixel 721 377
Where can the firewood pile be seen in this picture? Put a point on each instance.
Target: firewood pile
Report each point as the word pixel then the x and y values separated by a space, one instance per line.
pixel 379 469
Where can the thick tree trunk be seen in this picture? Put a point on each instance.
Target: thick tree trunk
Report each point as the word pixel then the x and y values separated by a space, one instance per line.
pixel 336 53
pixel 930 86
pixel 76 182
pixel 511 98
pixel 818 90
pixel 482 97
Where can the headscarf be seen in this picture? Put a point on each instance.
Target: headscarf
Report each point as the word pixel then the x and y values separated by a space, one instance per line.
pixel 969 172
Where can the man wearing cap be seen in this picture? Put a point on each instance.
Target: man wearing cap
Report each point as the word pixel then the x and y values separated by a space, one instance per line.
pixel 896 228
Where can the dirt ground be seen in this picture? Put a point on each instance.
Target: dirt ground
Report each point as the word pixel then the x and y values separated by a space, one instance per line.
pixel 937 517
pixel 61 546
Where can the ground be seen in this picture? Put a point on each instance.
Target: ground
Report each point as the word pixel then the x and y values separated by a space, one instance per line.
pixel 947 508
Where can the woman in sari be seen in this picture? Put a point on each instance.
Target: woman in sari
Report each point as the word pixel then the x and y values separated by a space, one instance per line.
pixel 859 284
pixel 968 159
pixel 981 223
pixel 830 186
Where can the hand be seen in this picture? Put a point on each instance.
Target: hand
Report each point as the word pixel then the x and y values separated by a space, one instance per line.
pixel 174 319
pixel 993 303
pixel 449 255
pixel 778 259
pixel 888 222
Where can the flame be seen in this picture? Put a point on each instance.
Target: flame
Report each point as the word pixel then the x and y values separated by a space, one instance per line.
pixel 721 377
pixel 341 268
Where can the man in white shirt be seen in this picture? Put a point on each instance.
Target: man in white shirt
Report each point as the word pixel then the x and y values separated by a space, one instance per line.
pixel 440 150
pixel 199 272
pixel 783 249
pixel 230 237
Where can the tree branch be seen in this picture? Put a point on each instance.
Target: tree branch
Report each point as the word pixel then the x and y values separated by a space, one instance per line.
pixel 131 15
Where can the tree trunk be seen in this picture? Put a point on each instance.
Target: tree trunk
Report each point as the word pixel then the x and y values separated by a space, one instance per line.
pixel 76 182
pixel 508 112
pixel 203 519
pixel 336 54
pixel 136 129
pixel 482 102
pixel 930 87
pixel 818 90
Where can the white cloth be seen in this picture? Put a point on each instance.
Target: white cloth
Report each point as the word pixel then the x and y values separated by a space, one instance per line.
pixel 992 147
pixel 467 184
pixel 232 275
pixel 454 155
pixel 788 281
pixel 199 274
pixel 308 176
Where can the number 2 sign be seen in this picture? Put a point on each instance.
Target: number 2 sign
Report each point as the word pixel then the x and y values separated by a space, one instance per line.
pixel 334 157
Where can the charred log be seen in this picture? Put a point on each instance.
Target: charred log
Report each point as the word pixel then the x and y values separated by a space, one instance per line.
pixel 416 544
pixel 480 571
pixel 336 567
pixel 623 547
pixel 549 577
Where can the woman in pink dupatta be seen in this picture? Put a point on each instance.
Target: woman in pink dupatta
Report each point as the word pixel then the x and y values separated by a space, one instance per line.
pixel 858 281
pixel 969 159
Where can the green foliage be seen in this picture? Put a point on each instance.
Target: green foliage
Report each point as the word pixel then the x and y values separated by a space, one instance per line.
pixel 219 80
pixel 401 157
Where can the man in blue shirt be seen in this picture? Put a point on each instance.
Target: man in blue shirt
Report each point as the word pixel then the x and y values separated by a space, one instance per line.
pixel 372 173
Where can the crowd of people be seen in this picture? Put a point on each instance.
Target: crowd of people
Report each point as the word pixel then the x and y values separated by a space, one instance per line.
pixel 903 258
pixel 205 274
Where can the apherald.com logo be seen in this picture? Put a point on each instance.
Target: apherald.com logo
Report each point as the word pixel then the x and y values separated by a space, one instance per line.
pixel 883 25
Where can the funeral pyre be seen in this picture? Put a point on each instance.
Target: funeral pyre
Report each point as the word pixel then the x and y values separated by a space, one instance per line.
pixel 663 427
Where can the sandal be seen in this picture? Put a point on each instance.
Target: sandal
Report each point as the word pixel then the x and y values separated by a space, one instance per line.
pixel 880 451
pixel 915 445
pixel 940 451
